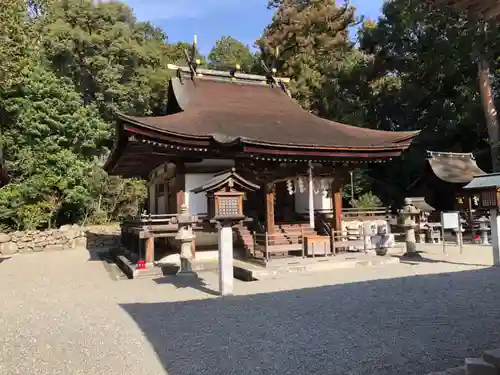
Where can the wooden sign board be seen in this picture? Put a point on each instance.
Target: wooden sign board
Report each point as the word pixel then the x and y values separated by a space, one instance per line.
pixel 450 220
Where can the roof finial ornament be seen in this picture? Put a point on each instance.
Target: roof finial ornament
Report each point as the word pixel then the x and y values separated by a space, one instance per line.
pixel 192 61
pixel 270 73
pixel 233 71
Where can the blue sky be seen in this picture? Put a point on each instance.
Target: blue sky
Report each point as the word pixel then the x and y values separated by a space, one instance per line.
pixel 211 19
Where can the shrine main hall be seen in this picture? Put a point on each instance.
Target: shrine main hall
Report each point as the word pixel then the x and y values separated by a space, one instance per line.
pixel 216 121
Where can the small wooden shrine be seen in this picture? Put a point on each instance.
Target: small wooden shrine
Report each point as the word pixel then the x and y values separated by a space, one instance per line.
pixel 443 178
pixel 225 192
pixel 218 121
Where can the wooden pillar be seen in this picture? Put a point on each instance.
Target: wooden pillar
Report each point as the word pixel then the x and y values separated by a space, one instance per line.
pixel 336 206
pixel 150 249
pixel 311 195
pixel 270 228
pixel 468 207
pixel 181 199
pixel 165 193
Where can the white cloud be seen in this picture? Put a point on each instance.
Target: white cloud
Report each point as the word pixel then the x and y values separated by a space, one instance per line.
pixel 151 10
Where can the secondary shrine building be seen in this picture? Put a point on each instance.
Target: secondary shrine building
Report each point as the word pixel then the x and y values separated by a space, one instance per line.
pixel 220 120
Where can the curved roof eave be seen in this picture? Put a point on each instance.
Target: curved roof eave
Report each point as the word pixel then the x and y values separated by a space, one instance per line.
pixel 396 144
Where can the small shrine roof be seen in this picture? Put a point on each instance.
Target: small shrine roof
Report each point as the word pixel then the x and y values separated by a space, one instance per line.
pixel 421 204
pixel 485 181
pixel 452 167
pixel 226 177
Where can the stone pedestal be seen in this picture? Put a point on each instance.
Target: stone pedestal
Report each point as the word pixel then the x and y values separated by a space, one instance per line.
pixel 495 235
pixel 226 274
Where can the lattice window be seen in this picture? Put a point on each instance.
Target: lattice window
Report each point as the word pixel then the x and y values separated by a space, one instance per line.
pixel 229 206
pixel 489 198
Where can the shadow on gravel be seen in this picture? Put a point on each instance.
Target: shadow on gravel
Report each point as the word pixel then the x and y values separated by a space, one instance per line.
pixel 413 261
pixel 412 325
pixel 186 282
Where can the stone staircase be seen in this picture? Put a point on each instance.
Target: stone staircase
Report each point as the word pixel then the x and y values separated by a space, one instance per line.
pixel 488 364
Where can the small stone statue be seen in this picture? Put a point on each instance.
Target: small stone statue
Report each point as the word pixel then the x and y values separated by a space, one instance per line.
pixel 408 215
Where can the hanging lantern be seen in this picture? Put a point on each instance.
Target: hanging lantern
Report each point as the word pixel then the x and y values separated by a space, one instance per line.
pixel 289 186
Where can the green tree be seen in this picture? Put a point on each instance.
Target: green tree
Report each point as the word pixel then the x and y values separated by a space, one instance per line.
pixel 421 73
pixel 229 52
pixel 177 55
pixel 305 39
pixel 113 60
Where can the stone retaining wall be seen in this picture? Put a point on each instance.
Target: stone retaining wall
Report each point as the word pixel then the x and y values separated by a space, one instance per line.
pixel 66 237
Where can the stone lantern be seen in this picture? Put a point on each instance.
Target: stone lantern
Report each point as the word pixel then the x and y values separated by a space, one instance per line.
pixel 185 236
pixel 408 220
pixel 225 193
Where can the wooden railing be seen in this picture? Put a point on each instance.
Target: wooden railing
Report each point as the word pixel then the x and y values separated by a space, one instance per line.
pixel 268 242
pixel 371 212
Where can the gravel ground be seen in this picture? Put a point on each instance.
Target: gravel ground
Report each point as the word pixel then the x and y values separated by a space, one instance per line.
pixel 62 313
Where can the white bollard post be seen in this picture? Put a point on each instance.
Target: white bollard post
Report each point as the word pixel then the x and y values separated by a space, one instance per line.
pixel 495 235
pixel 226 274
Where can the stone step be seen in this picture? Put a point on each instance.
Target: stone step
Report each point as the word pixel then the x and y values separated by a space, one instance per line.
pixel 478 366
pixel 492 356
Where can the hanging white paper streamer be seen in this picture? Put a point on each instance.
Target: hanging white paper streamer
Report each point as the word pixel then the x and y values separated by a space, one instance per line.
pixel 289 186
pixel 302 188
pixel 317 186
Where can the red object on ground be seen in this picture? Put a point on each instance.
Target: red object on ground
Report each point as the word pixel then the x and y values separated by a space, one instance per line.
pixel 476 237
pixel 141 265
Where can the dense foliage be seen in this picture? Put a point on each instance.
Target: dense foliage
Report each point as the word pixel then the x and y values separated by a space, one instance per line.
pixel 68 65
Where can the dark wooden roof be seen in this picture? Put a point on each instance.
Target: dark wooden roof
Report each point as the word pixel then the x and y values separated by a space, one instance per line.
pixel 230 112
pixel 487 9
pixel 249 118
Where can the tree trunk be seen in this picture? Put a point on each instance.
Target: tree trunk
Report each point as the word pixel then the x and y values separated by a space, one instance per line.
pixel 489 110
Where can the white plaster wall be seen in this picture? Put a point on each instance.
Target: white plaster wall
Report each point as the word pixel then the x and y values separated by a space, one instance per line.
pixel 161 205
pixel 321 200
pixel 196 203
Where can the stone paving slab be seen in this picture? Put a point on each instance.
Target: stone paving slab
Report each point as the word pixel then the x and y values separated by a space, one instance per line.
pixel 62 313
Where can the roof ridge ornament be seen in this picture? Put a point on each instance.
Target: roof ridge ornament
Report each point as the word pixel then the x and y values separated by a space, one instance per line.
pixel 270 76
pixel 433 154
pixel 192 61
